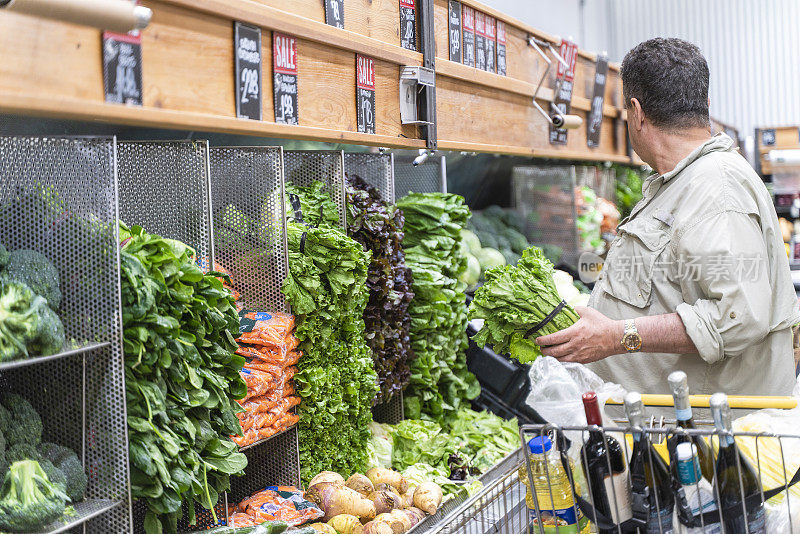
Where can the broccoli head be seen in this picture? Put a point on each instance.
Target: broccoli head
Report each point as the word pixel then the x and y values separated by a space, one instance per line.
pixel 75 478
pixel 25 425
pixel 49 338
pixel 28 499
pixel 22 451
pixel 19 319
pixel 54 453
pixel 55 475
pixel 5 420
pixel 37 272
pixel 4 256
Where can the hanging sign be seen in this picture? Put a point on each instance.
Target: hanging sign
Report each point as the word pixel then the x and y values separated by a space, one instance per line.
pixel 365 94
pixel 284 79
pixel 408 24
pixel 247 47
pixel 480 40
pixel 595 121
pixel 454 18
pixel 468 24
pixel 334 13
pixel 501 48
pixel 491 44
pixel 122 68
pixel 565 78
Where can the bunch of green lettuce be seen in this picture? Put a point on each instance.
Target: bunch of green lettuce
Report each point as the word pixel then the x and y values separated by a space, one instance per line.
pixel 513 300
pixel 440 382
pixel 487 438
pixel 181 378
pixel 371 222
pixel 326 288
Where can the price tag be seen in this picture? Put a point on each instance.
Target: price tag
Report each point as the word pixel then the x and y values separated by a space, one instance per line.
pixel 565 79
pixel 284 79
pixel 408 24
pixel 122 68
pixel 334 13
pixel 480 40
pixel 454 22
pixel 491 44
pixel 365 94
pixel 501 48
pixel 468 24
pixel 768 137
pixel 247 47
pixel 595 120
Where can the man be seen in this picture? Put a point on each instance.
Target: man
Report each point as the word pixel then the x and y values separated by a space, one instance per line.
pixel 697 278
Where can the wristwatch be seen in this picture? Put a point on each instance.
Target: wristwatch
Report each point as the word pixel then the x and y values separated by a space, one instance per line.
pixel 631 339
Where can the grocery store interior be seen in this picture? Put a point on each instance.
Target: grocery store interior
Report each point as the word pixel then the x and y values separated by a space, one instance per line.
pixel 399 266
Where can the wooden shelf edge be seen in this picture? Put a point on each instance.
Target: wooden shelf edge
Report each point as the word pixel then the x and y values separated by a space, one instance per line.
pixel 180 120
pixel 589 155
pixel 451 69
pixel 303 28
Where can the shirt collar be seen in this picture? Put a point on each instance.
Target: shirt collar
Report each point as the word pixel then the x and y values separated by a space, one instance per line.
pixel 719 143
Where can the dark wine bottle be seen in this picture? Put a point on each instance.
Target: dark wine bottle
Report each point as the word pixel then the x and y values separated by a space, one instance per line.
pixel 683 414
pixel 736 480
pixel 646 464
pixel 609 489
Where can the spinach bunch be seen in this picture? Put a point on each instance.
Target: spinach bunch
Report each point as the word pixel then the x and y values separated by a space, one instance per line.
pixel 181 378
pixel 440 382
pixel 326 289
pixel 371 222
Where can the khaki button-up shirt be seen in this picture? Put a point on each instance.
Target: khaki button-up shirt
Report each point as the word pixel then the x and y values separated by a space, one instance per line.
pixel 704 242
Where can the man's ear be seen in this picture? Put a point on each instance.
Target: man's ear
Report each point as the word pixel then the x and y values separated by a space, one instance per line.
pixel 635 114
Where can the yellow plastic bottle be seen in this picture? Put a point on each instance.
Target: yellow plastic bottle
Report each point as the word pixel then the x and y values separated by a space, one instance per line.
pixel 551 480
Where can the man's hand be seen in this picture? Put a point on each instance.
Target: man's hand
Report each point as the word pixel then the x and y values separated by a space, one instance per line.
pixel 592 338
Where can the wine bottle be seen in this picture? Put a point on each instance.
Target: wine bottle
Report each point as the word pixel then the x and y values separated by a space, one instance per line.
pixel 683 414
pixel 609 489
pixel 736 479
pixel 647 465
pixel 696 490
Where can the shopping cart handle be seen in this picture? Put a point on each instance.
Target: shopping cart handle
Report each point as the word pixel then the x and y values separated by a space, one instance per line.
pixel 745 402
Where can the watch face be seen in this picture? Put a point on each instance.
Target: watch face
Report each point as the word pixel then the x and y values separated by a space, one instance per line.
pixel 632 342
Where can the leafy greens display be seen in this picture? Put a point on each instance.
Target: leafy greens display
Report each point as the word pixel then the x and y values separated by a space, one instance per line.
pixel 513 300
pixel 380 230
pixel 181 378
pixel 440 381
pixel 326 288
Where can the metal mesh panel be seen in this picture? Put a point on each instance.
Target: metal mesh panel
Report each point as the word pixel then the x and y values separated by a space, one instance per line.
pixel 545 196
pixel 249 223
pixel 164 187
pixel 600 180
pixel 58 197
pixel 274 462
pixel 375 169
pixel 390 412
pixel 301 168
pixel 428 177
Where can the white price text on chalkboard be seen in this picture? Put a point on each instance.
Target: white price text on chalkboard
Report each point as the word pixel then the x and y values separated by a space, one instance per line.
pixel 480 40
pixel 122 68
pixel 502 67
pixel 247 47
pixel 284 80
pixel 408 24
pixel 334 13
pixel 468 31
pixel 365 94
pixel 491 43
pixel 454 17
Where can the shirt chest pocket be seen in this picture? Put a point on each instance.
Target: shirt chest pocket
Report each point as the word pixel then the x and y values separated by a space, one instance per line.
pixel 637 256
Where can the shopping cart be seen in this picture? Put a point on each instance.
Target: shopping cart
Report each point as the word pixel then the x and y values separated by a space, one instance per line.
pixel 500 506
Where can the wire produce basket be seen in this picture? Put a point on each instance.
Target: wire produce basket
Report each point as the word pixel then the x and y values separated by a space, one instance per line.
pixel 58 197
pixel 302 168
pixel 430 176
pixel 375 169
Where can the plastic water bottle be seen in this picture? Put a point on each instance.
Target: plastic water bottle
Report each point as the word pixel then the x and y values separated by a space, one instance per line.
pixel 553 492
pixel 699 494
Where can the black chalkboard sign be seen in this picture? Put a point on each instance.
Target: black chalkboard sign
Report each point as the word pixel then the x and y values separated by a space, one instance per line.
pixel 468 31
pixel 595 122
pixel 480 40
pixel 502 66
pixel 565 80
pixel 491 44
pixel 247 49
pixel 408 24
pixel 334 13
pixel 454 18
pixel 284 78
pixel 122 68
pixel 365 94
